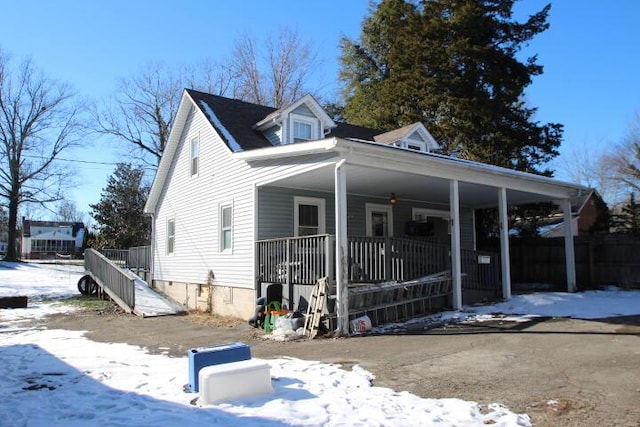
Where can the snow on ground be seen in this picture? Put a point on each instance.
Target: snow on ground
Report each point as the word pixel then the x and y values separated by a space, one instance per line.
pixel 611 302
pixel 43 284
pixel 58 377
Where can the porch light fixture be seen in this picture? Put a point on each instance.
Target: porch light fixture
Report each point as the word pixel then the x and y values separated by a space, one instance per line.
pixel 392 199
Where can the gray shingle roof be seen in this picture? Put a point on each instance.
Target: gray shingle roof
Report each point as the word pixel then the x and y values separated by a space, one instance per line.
pixel 239 117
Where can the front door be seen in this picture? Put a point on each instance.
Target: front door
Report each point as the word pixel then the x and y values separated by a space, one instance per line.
pixel 379 220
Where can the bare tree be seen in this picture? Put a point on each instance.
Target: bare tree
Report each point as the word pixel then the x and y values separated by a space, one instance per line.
pixel 67 211
pixel 277 74
pixel 38 121
pixel 592 168
pixel 213 77
pixel 625 160
pixel 142 111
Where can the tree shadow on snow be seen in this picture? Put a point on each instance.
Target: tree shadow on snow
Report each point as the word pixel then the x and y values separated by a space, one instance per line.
pixel 37 388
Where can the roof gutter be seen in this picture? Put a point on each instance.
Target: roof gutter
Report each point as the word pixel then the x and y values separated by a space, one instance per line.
pixel 380 152
pixel 288 150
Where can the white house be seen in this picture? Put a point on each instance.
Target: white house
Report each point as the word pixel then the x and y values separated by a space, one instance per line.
pixel 44 239
pixel 240 185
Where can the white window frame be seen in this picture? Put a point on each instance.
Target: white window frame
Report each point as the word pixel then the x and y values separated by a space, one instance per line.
pixel 222 228
pixel 312 201
pixel 375 207
pixel 430 212
pixel 409 143
pixel 194 156
pixel 434 213
pixel 171 237
pixel 313 122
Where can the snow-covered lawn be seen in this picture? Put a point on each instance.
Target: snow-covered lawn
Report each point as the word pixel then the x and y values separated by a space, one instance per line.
pixel 58 377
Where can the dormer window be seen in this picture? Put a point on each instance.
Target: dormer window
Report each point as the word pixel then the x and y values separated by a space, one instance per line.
pixel 414 137
pixel 303 120
pixel 417 146
pixel 301 131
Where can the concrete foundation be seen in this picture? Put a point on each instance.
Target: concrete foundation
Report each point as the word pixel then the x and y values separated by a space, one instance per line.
pixel 222 300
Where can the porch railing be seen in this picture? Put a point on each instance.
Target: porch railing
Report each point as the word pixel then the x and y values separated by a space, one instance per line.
pixel 299 260
pixel 117 256
pixel 139 258
pixel 303 260
pixel 115 281
pixel 481 270
pixel 376 259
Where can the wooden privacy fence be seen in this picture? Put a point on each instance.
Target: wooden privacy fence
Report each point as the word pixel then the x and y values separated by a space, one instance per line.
pixel 600 260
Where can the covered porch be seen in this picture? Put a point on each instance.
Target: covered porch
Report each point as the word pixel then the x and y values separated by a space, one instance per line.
pixel 295 264
pixel 371 193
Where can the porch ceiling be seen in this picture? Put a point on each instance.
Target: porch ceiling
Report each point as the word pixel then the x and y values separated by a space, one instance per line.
pixel 381 183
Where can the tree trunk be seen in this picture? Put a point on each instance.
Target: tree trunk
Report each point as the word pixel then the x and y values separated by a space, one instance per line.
pixel 12 252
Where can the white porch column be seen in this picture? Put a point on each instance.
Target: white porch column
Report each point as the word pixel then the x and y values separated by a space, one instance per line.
pixel 569 253
pixel 505 256
pixel 342 290
pixel 456 265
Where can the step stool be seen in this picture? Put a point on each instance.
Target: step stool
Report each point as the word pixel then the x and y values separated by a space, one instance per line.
pixel 207 356
pixel 235 380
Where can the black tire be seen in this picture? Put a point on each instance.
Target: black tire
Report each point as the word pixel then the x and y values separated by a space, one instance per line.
pixel 87 286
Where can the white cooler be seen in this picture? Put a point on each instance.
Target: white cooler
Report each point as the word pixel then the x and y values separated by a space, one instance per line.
pixel 234 380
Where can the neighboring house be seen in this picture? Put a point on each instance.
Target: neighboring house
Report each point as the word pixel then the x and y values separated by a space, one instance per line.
pixel 246 194
pixel 586 210
pixel 3 243
pixel 46 239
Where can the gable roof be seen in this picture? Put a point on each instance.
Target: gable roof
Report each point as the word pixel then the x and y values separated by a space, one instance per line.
pixel 406 131
pixel 307 100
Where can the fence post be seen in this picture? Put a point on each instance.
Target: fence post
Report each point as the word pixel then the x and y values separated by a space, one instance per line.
pixel 591 266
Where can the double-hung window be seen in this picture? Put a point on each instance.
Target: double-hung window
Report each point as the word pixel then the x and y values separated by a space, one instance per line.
pixel 195 155
pixel 309 216
pixel 226 228
pixel 171 236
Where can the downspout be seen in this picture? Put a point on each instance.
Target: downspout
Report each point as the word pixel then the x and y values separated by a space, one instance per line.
pixel 152 249
pixel 342 290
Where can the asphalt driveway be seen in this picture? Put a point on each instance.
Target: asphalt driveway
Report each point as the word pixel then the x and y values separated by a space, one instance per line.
pixel 562 372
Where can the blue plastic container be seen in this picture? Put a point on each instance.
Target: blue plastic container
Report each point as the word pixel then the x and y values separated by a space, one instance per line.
pixel 207 356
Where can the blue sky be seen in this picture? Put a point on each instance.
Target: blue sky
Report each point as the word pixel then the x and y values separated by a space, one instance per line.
pixel 590 54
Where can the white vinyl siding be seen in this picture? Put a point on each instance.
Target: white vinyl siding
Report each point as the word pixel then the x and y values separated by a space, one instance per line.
pixel 195 204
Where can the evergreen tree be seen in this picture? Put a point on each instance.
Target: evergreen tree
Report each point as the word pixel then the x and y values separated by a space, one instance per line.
pixel 452 65
pixel 121 223
pixel 628 219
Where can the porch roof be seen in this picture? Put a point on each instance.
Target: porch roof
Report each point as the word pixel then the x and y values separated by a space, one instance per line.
pixel 377 170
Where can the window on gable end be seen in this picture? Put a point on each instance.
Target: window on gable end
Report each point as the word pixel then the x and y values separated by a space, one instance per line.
pixel 171 236
pixel 414 145
pixel 195 155
pixel 226 228
pixel 301 131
